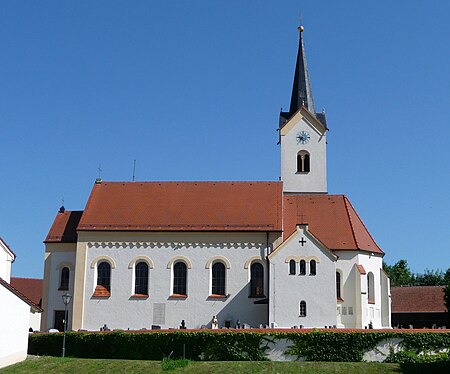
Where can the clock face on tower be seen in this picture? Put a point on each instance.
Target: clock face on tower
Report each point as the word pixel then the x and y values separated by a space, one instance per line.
pixel 302 137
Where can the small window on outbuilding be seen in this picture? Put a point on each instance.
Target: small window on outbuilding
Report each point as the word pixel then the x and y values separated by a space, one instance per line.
pixel 292 266
pixel 312 267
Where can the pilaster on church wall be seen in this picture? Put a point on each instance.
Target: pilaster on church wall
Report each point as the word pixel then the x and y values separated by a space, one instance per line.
pixel 56 254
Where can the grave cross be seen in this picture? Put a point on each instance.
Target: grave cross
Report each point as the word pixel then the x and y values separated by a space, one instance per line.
pixel 302 242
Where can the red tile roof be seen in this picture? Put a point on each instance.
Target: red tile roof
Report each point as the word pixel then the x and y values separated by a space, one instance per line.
pixel 361 269
pixel 64 228
pixel 30 287
pixel 331 218
pixel 214 206
pixel 418 299
pixel 180 206
pixel 19 294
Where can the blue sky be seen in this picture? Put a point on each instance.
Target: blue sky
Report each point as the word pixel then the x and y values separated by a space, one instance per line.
pixel 192 90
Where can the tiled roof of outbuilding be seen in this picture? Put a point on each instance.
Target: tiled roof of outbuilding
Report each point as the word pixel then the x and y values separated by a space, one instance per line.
pixel 20 295
pixel 418 299
pixel 30 287
pixel 331 218
pixel 183 206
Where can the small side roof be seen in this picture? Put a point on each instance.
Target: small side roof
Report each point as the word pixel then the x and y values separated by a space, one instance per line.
pixel 64 227
pixel 418 299
pixel 20 295
pixel 331 218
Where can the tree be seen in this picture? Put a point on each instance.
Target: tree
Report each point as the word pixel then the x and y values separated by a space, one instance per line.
pixel 400 274
pixel 429 278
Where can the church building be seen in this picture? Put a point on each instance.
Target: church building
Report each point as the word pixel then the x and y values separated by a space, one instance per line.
pixel 285 253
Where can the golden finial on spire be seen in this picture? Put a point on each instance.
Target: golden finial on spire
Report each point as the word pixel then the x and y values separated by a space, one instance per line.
pixel 300 28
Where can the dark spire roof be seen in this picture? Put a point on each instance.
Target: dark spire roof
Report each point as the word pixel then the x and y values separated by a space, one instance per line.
pixel 301 89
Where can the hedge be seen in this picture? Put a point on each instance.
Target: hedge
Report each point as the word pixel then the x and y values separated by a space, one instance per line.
pixel 232 345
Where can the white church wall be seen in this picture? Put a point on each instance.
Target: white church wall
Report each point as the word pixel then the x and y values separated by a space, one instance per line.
pixel 349 308
pixel 354 286
pixel 385 300
pixel 315 180
pixel 14 325
pixel 52 294
pixel 288 290
pixel 121 311
pixel 372 314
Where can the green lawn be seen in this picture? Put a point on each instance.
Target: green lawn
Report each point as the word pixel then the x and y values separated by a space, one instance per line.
pixel 55 365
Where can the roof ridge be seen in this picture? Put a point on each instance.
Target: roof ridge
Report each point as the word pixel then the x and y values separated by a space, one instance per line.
pixel 26 278
pixel 196 181
pixel 350 220
pixel 363 224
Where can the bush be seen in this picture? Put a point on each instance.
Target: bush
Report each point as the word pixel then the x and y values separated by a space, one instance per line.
pixel 168 364
pixel 231 345
pixel 411 357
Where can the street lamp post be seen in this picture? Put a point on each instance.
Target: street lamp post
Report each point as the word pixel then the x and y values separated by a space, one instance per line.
pixel 66 300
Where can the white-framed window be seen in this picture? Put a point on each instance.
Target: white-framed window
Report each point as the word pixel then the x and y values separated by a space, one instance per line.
pixel 292 267
pixel 370 288
pixel 218 279
pixel 302 308
pixel 303 162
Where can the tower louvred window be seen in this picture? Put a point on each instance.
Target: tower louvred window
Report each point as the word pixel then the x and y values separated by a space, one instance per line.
pixel 303 162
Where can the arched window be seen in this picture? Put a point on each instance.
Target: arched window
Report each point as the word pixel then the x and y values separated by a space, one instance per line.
pixel 302 267
pixel 312 267
pixel 141 279
pixel 292 266
pixel 256 280
pixel 64 281
pixel 338 285
pixel 302 312
pixel 218 279
pixel 371 288
pixel 303 162
pixel 179 278
pixel 104 275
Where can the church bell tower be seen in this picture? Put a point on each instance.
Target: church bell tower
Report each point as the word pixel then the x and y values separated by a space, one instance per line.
pixel 303 135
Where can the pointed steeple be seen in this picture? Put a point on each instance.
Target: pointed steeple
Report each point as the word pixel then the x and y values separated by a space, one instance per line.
pixel 301 89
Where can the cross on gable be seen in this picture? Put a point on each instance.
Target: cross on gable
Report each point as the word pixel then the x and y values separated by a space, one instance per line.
pixel 302 242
